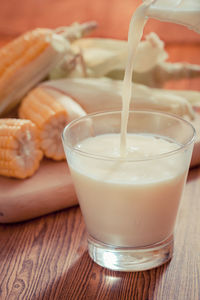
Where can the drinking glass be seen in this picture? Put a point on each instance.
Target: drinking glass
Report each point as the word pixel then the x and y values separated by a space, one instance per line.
pixel 130 222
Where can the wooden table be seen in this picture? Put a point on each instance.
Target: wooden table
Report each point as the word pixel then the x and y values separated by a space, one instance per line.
pixel 46 258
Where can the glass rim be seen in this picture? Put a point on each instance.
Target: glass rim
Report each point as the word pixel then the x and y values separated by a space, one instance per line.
pixel 125 159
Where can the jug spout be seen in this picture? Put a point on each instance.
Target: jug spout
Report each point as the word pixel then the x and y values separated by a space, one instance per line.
pixel 184 12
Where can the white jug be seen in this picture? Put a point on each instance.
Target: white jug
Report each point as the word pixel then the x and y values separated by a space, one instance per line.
pixel 184 12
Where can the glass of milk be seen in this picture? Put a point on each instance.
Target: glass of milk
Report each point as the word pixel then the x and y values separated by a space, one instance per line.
pixel 130 202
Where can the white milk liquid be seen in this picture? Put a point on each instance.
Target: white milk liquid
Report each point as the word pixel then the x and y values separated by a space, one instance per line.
pixel 134 36
pixel 125 203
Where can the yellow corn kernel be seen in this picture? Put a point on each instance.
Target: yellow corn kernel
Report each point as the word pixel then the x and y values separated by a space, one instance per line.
pixel 24 62
pixel 50 117
pixel 20 52
pixel 20 155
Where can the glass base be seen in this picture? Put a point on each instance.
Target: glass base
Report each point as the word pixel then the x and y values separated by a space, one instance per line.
pixel 130 259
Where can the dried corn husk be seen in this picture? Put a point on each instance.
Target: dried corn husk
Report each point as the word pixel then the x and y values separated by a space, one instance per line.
pixel 28 59
pixel 192 96
pixel 105 55
pixel 161 73
pixel 102 56
pixel 98 57
pixel 105 94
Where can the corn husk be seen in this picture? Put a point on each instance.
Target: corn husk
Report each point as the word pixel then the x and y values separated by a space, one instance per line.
pixel 102 56
pixel 105 94
pixel 98 57
pixel 105 55
pixel 192 96
pixel 161 73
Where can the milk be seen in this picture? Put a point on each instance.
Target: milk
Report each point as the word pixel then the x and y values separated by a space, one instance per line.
pixel 126 203
pixel 134 36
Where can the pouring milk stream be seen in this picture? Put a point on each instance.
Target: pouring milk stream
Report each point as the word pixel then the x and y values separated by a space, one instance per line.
pixel 185 12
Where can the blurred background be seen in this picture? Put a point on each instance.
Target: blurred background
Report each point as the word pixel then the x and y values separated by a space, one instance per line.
pixel 112 16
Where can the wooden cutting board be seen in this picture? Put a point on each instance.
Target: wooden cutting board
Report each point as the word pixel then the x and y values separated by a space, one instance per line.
pixel 49 189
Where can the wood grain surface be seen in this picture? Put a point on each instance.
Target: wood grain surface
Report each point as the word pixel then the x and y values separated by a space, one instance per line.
pixel 47 258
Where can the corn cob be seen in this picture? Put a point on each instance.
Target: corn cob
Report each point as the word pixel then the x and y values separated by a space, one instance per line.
pixel 19 148
pixel 50 116
pixel 29 58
